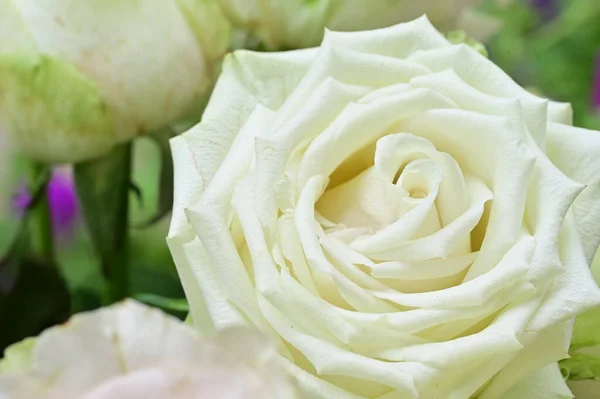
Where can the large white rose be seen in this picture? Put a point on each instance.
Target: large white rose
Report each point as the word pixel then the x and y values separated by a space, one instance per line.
pixel 132 351
pixel 403 216
pixel 293 24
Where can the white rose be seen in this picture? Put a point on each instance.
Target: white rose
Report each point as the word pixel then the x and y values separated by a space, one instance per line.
pixel 295 24
pixel 77 78
pixel 389 205
pixel 132 351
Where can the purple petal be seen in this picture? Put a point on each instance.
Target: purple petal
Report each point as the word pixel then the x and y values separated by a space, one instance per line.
pixel 21 200
pixel 547 9
pixel 62 200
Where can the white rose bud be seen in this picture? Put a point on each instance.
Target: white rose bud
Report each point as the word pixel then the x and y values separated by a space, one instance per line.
pixel 133 351
pixel 76 78
pixel 293 24
pixel 408 220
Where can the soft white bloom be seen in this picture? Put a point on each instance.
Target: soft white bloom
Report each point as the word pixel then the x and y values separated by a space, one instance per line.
pixel 133 351
pixel 293 24
pixel 407 219
pixel 77 77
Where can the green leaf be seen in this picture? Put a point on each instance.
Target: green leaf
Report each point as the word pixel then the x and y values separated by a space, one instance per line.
pixel 581 366
pixel 10 263
pixel 39 299
pixel 177 307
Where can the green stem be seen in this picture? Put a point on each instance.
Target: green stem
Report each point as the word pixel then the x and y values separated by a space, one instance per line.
pixel 117 262
pixel 40 221
pixel 103 188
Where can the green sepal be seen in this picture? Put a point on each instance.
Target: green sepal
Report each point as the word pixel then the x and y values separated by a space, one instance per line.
pixel 581 366
pixel 52 111
pixel 461 37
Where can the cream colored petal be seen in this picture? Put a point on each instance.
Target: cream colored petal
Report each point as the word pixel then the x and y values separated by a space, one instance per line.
pixel 247 79
pixel 101 345
pixel 361 124
pixel 549 198
pixel 391 244
pixel 213 311
pixel 313 387
pixel 322 269
pixel 429 269
pixel 331 360
pixel 368 200
pixel 485 76
pixel 396 150
pixel 471 98
pixel 576 152
pixel 541 349
pixel 213 231
pixel 188 187
pixel 573 291
pixel 288 134
pixel 545 383
pixel 398 41
pixel 510 271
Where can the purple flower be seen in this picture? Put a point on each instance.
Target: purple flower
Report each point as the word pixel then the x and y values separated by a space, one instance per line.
pixel 547 9
pixel 596 85
pixel 62 200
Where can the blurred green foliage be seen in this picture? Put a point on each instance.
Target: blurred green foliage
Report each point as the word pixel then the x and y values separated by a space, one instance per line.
pixel 39 300
pixel 550 51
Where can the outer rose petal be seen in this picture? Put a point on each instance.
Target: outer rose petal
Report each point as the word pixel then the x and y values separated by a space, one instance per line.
pixel 545 383
pixel 247 79
pixel 133 351
pixel 576 152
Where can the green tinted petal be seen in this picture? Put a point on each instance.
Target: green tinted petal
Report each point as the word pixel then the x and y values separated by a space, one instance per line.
pixel 17 357
pixel 51 110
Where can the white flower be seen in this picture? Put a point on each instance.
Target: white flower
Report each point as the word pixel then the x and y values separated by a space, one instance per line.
pixel 132 351
pixel 390 206
pixel 293 24
pixel 78 77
